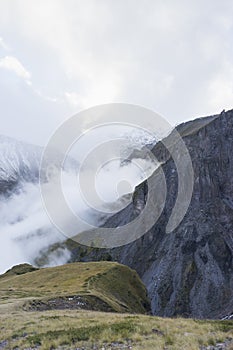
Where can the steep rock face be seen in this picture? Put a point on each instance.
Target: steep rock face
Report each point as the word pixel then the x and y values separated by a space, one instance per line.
pixel 189 271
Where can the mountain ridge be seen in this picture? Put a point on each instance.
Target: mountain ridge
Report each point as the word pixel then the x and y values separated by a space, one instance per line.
pixel 187 272
pixel 190 271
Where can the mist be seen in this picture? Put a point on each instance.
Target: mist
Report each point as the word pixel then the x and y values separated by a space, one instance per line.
pixel 26 231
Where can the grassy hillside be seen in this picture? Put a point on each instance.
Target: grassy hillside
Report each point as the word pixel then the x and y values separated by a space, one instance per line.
pixel 18 270
pixel 50 309
pixel 100 286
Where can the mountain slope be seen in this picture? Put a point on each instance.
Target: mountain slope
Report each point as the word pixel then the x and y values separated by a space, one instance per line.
pixel 189 271
pixel 100 286
pixel 52 308
pixel 25 229
pixel 19 162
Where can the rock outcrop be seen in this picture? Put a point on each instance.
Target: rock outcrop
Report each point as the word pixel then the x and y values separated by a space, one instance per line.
pixel 189 271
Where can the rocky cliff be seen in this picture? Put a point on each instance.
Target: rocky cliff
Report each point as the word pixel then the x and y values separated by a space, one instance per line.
pixel 189 271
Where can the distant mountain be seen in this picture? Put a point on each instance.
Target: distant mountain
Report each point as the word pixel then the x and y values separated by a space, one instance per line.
pixel 189 271
pixel 19 161
pixel 25 229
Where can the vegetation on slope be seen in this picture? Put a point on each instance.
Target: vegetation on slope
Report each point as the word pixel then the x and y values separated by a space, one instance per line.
pixel 19 270
pixel 88 330
pixel 100 286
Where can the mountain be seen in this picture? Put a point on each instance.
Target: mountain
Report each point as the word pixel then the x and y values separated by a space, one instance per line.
pixel 19 161
pixel 189 271
pixel 25 229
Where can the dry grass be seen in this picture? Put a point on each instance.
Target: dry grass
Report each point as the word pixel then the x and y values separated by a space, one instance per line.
pixel 116 285
pixel 71 329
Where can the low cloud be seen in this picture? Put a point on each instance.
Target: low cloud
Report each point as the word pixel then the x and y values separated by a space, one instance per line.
pixel 26 231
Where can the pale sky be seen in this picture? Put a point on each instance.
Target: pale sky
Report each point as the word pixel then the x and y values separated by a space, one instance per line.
pixel 58 57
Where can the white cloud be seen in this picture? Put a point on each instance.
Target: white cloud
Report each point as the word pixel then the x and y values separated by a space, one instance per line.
pixel 220 88
pixel 73 98
pixel 12 64
pixel 3 45
pixel 163 55
pixel 45 97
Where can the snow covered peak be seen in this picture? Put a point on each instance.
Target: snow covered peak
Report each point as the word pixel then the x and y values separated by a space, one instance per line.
pixel 18 161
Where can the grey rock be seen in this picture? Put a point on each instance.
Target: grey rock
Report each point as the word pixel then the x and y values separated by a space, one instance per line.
pixel 219 346
pixel 3 344
pixel 189 271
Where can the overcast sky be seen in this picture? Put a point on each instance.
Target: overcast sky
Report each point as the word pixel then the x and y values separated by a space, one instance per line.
pixel 58 57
